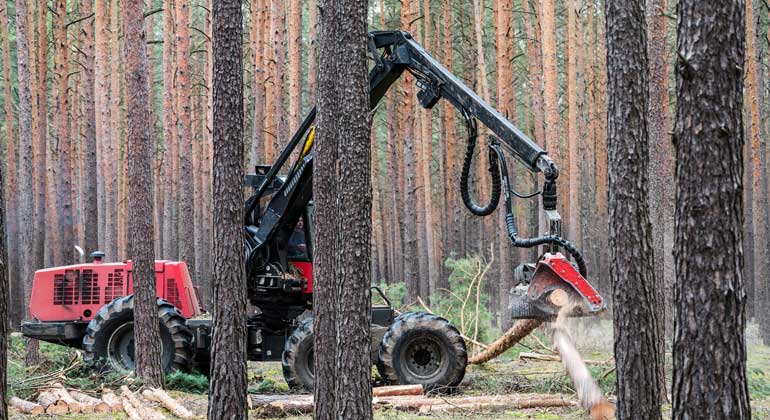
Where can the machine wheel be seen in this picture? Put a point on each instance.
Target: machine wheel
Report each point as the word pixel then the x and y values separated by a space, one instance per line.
pixel 297 358
pixel 420 348
pixel 109 339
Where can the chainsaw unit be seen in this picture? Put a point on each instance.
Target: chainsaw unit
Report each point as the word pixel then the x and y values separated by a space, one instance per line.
pixel 90 305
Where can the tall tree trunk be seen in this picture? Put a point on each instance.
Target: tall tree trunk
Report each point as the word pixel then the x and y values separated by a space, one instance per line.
pixel 573 161
pixel 638 328
pixel 258 81
pixel 4 284
pixel 140 153
pixel 452 214
pixel 228 386
pixel 186 192
pixel 112 247
pixel 294 19
pixel 312 54
pixel 89 199
pixel 27 263
pixel 10 168
pixel 406 129
pixel 170 139
pixel 550 83
pixel 709 355
pixel 62 139
pixel 759 187
pixel 278 30
pixel 104 143
pixel 426 123
pixel 343 388
pixel 661 166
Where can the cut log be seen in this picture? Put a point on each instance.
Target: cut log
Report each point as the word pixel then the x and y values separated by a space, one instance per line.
pixel 525 356
pixel 27 407
pixel 132 412
pixel 559 297
pixel 287 407
pixel 59 390
pixel 397 390
pixel 602 411
pixel 145 412
pixel 160 396
pixel 52 403
pixel 86 400
pixel 261 400
pixel 515 334
pixel 493 403
pixel 115 403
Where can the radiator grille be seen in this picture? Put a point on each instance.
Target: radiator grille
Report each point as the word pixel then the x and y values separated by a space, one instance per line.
pixel 114 287
pixel 90 289
pixel 172 293
pixel 65 288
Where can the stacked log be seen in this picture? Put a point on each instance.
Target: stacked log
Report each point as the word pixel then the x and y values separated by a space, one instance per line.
pixel 88 402
pixel 143 411
pixel 52 403
pixel 26 407
pixel 116 405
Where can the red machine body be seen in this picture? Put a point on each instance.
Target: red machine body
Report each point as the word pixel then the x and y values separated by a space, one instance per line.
pixel 77 292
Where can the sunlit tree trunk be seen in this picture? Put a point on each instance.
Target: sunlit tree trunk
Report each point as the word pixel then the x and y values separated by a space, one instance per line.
pixel 116 139
pixel 294 22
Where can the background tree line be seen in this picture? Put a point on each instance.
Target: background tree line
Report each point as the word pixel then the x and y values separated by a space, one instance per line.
pixel 541 63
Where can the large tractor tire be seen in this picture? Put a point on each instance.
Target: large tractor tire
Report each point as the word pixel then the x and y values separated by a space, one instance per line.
pixel 297 358
pixel 421 348
pixel 109 339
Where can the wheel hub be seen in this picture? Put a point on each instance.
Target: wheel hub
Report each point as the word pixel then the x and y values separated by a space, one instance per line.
pixel 423 357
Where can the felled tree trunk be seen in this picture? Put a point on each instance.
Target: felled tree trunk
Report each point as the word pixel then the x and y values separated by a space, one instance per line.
pixel 26 407
pixel 515 334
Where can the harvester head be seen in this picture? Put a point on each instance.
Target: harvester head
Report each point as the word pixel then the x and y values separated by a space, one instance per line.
pixel 548 287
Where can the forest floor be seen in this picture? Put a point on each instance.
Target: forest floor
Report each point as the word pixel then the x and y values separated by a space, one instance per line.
pixel 505 375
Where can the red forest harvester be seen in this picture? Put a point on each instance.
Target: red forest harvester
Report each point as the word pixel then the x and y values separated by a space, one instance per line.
pixel 90 305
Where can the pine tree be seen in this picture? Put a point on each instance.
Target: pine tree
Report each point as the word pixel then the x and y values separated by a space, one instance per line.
pixel 140 153
pixel 709 355
pixel 638 329
pixel 342 218
pixel 228 385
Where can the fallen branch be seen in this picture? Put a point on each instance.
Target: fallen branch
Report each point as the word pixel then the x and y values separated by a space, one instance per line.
pixel 518 331
pixel 160 396
pixel 26 407
pixel 86 400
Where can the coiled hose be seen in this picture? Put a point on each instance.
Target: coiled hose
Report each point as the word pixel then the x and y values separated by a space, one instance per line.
pixel 498 170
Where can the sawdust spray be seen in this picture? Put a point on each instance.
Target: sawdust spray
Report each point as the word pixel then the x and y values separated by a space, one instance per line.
pixel 588 392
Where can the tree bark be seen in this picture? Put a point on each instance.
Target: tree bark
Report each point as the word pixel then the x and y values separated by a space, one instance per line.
pixel 294 19
pixel 186 191
pixel 170 139
pixel 638 328
pixel 406 129
pixel 710 354
pixel 27 262
pixel 10 168
pixel 89 199
pixel 759 187
pixel 4 295
pixel 140 154
pixel 660 170
pixel 550 81
pixel 228 386
pixel 342 228
pixel 101 102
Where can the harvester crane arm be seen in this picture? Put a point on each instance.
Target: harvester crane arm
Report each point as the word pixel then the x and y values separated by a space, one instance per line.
pixel 395 52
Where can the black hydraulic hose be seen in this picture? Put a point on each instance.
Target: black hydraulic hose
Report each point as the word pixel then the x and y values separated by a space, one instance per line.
pixel 494 171
pixel 510 221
